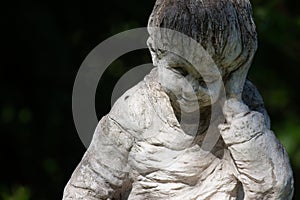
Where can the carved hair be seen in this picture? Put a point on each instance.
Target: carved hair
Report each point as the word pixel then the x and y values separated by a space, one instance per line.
pixel 225 28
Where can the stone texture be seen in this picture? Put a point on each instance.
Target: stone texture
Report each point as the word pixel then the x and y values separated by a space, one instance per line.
pixel 145 148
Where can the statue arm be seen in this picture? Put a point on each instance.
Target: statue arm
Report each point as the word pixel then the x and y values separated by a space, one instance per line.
pixel 262 164
pixel 103 172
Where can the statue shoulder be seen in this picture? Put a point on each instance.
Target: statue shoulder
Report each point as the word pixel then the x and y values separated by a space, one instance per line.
pixel 132 109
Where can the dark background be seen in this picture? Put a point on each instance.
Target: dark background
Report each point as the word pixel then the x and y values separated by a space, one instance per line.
pixel 43 44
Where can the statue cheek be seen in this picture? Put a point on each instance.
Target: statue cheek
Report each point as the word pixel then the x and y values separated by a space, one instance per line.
pixel 215 90
pixel 170 80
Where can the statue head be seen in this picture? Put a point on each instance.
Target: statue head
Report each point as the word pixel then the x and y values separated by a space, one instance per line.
pixel 224 29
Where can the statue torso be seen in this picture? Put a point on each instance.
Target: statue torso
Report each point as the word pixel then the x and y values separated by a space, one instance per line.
pixel 165 162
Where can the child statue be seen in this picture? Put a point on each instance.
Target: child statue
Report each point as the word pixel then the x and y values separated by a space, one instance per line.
pixel 194 128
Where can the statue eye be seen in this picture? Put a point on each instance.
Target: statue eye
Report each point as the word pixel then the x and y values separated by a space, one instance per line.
pixel 202 83
pixel 161 52
pixel 182 71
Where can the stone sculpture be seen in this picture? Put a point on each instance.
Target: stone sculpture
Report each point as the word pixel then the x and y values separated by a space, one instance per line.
pixel 152 143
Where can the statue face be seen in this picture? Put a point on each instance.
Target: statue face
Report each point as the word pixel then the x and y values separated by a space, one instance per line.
pixel 191 71
pixel 229 37
pixel 187 83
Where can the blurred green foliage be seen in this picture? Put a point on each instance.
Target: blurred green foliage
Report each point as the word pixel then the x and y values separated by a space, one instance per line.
pixel 19 193
pixel 44 44
pixel 277 69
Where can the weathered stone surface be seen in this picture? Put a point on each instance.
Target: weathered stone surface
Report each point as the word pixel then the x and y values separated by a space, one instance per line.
pixel 145 149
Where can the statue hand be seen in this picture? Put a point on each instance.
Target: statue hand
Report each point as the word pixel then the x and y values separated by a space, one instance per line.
pixel 234 107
